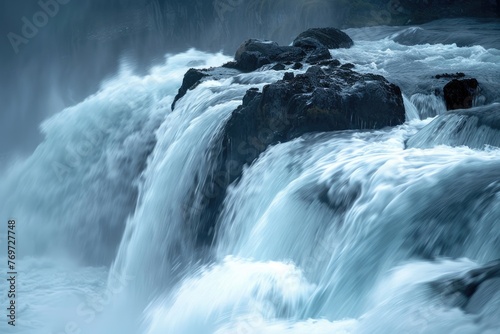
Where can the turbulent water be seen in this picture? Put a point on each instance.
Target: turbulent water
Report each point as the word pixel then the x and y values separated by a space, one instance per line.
pixel 329 233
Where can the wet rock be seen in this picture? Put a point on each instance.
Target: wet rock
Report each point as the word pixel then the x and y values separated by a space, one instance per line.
pixel 319 100
pixel 322 99
pixel 450 75
pixel 330 63
pixel 278 67
pixel 311 46
pixel 317 55
pixel 288 76
pixel 331 38
pixel 459 94
pixel 194 77
pixel 250 61
pixel 255 53
pixel 190 81
pixel 348 66
pixel 316 51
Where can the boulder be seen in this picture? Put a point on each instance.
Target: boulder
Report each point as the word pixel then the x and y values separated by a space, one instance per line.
pixel 268 49
pixel 316 51
pixel 250 61
pixel 255 53
pixel 318 55
pixel 278 67
pixel 327 99
pixel 311 46
pixel 459 94
pixel 331 38
pixel 322 99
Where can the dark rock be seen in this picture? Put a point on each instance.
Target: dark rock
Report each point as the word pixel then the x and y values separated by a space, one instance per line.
pixel 190 81
pixel 317 55
pixel 315 50
pixel 230 64
pixel 312 46
pixel 265 48
pixel 347 66
pixel 472 290
pixel 250 94
pixel 194 77
pixel 450 75
pixel 308 43
pixel 331 38
pixel 278 67
pixel 315 70
pixel 319 100
pixel 255 53
pixel 288 76
pixel 459 94
pixel 330 63
pixel 250 61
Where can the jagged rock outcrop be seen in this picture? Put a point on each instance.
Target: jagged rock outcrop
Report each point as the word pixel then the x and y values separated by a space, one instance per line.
pixel 194 77
pixel 322 99
pixel 329 96
pixel 311 46
pixel 255 53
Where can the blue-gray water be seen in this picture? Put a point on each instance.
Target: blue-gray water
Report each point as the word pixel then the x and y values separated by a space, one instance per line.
pixel 329 233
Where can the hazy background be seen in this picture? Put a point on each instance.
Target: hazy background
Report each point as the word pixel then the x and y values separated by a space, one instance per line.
pixel 84 42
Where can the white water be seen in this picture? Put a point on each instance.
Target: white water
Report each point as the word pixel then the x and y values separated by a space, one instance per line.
pixel 476 129
pixel 329 233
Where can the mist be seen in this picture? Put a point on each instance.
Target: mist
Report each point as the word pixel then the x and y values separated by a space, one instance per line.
pixel 78 44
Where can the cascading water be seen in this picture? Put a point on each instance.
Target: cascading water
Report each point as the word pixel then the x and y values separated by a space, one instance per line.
pixel 182 152
pixel 329 233
pixel 327 205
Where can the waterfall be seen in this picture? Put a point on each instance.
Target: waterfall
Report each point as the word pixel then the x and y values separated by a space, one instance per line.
pixel 475 128
pixel 331 232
